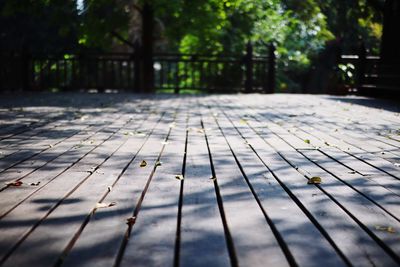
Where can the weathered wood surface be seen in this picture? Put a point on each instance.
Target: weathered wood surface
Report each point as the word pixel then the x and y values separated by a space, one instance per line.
pixel 222 180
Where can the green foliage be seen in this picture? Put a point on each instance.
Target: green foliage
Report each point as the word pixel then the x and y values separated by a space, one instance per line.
pixel 299 29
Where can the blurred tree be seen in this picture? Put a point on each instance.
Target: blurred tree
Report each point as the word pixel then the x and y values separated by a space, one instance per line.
pixel 40 25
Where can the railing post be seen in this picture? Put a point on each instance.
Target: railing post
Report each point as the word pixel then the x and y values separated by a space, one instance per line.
pixel 249 68
pixel 361 62
pixel 137 68
pixel 25 69
pixel 147 49
pixel 270 88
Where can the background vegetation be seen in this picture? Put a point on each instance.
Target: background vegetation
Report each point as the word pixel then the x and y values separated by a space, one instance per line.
pixel 301 30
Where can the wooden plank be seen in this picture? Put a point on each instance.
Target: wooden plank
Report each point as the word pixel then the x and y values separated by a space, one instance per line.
pixel 15 196
pixel 107 227
pixel 278 204
pixel 368 215
pixel 71 214
pixel 50 197
pixel 380 195
pixel 201 228
pixel 252 237
pixel 329 217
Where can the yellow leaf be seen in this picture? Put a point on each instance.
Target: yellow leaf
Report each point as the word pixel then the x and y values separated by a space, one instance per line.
pixel 143 164
pixel 100 205
pixel 179 177
pixel 243 121
pixel 388 229
pixel 306 141
pixel 314 180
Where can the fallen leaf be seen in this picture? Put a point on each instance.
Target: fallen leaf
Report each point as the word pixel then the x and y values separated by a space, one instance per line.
pixel 243 121
pixel 314 180
pixel 179 177
pixel 131 220
pixel 100 205
pixel 143 164
pixel 306 141
pixel 388 229
pixel 326 143
pixel 35 184
pixel 14 183
pixel 158 163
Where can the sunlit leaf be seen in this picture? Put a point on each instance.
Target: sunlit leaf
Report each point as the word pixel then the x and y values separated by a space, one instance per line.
pixel 143 164
pixel 100 205
pixel 307 141
pixel 388 229
pixel 314 180
pixel 179 177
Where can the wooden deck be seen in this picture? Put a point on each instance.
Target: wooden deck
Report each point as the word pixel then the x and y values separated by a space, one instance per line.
pixel 133 180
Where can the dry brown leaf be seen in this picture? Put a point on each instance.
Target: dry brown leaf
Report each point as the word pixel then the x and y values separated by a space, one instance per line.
pixel 14 183
pixel 158 163
pixel 143 164
pixel 100 205
pixel 179 177
pixel 314 180
pixel 131 220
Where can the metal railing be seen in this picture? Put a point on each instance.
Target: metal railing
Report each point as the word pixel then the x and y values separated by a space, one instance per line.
pixel 171 72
